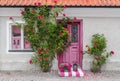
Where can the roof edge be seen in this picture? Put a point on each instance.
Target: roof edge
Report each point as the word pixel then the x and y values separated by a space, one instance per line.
pixel 66 6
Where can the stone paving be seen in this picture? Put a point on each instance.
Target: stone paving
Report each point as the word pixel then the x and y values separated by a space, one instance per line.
pixel 53 76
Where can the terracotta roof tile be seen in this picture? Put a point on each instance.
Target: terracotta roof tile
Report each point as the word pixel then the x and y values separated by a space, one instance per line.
pixel 118 2
pixel 93 3
pixel 113 2
pixel 61 2
pixel 108 2
pixel 89 2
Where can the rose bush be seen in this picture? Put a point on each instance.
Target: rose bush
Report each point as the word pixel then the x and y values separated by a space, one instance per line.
pixel 46 35
pixel 97 49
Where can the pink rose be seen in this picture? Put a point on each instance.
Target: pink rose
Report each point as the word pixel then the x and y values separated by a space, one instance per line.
pixel 22 12
pixel 30 61
pixel 64 15
pixel 55 1
pixel 10 18
pixel 112 52
pixel 39 3
pixel 64 6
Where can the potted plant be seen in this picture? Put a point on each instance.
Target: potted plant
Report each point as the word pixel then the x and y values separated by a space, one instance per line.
pixel 65 67
pixel 97 50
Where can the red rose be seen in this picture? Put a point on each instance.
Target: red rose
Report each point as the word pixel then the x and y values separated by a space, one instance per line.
pixel 64 6
pixel 95 43
pixel 46 58
pixel 112 52
pixel 33 11
pixel 60 33
pixel 64 15
pixel 40 50
pixel 40 16
pixel 30 61
pixel 39 3
pixel 55 1
pixel 65 29
pixel 10 18
pixel 22 12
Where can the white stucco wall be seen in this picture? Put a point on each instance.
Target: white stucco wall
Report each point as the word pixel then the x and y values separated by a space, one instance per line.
pixel 110 27
pixel 95 20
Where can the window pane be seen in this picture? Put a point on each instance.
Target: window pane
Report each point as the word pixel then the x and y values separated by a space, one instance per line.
pixel 15 37
pixel 26 43
pixel 74 32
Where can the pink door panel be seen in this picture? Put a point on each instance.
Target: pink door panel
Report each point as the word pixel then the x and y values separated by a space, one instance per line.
pixel 73 57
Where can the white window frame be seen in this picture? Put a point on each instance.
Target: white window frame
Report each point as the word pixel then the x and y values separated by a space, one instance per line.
pixel 22 50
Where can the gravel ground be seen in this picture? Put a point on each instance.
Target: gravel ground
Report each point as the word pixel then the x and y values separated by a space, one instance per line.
pixel 53 76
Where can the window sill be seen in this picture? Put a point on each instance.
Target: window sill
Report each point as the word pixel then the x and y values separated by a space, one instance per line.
pixel 20 50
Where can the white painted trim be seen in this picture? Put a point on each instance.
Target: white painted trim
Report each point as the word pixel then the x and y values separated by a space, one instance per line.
pixel 22 39
pixel 8 30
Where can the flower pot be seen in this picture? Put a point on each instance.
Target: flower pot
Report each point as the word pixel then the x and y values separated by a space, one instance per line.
pixel 96 69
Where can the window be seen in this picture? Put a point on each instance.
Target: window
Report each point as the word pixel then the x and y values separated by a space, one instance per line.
pixel 74 32
pixel 17 39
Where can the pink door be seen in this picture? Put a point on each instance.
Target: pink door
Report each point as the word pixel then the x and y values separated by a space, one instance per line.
pixel 73 55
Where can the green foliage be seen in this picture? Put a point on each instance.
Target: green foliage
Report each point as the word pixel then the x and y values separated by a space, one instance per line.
pixel 98 50
pixel 46 35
